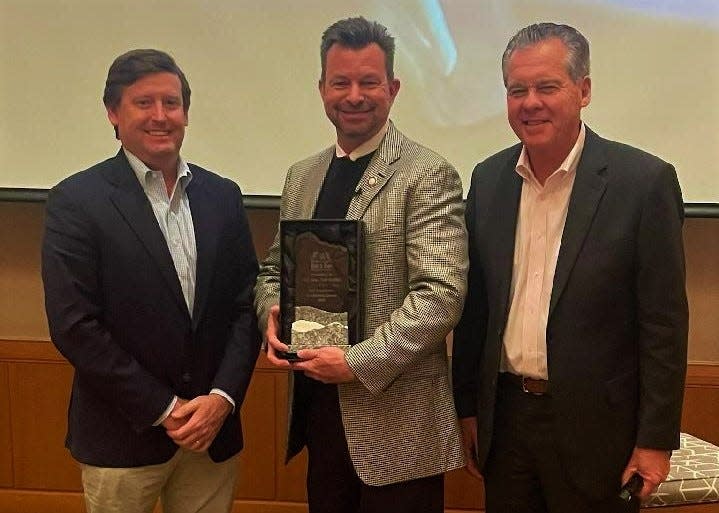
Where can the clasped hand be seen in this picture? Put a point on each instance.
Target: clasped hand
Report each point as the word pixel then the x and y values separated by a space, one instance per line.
pixel 194 424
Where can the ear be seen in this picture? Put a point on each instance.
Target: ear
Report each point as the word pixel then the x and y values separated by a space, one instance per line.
pixel 586 89
pixel 393 87
pixel 112 116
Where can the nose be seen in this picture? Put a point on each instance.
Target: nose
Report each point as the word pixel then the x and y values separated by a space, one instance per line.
pixel 355 95
pixel 532 99
pixel 158 111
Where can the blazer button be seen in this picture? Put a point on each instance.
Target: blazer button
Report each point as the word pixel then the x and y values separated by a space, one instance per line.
pixel 186 377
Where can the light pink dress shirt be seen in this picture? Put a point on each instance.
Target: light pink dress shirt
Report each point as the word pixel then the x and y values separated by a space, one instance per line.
pixel 540 223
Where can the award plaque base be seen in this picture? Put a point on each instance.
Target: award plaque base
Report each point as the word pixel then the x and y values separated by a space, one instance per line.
pixel 292 356
pixel 320 280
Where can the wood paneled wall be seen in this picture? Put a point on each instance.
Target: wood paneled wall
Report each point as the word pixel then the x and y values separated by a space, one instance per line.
pixel 38 475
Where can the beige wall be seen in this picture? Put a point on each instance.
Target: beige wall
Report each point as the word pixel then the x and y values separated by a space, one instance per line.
pixel 21 302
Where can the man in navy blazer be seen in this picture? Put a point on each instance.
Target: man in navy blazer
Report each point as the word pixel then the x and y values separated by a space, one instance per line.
pixel 149 268
pixel 570 356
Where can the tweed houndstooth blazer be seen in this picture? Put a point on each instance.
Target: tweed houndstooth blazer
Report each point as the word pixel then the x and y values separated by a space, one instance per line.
pixel 399 416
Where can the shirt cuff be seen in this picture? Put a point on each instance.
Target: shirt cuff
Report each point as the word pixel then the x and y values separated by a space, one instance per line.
pixel 167 412
pixel 225 395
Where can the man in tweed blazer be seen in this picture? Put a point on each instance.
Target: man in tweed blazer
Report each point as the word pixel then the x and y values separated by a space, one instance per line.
pixel 378 419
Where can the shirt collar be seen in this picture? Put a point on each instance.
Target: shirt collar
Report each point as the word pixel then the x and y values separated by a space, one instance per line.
pixel 568 166
pixel 144 173
pixel 366 147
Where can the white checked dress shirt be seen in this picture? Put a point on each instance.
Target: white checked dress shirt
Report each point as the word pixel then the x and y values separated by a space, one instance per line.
pixel 175 219
pixel 174 216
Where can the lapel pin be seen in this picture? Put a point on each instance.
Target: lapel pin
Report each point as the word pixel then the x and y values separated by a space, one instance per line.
pixel 372 180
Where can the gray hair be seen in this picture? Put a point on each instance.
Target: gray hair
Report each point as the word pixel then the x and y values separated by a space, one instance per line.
pixel 358 33
pixel 577 46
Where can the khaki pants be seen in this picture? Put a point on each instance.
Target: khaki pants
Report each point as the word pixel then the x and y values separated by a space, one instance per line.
pixel 189 483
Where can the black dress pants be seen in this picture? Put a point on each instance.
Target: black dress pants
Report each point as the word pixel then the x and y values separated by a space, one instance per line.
pixel 332 483
pixel 523 473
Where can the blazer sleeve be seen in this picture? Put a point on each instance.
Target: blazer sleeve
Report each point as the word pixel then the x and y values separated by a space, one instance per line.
pixel 436 259
pixel 267 288
pixel 243 345
pixel 73 303
pixel 662 313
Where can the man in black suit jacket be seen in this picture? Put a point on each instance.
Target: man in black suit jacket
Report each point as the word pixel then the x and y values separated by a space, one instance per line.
pixel 570 356
pixel 148 267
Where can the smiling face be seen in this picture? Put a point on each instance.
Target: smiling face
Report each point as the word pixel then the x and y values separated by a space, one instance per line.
pixel 356 92
pixel 543 102
pixel 151 120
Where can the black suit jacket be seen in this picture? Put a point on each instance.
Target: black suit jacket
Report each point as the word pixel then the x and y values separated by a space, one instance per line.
pixel 617 328
pixel 116 311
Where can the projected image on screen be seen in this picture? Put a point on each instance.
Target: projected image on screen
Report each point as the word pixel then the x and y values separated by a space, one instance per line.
pixel 253 68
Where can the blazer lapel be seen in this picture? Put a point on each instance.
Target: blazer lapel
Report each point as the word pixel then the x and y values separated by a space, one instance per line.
pixel 589 187
pixel 206 223
pixel 378 172
pixel 504 224
pixel 313 185
pixel 131 201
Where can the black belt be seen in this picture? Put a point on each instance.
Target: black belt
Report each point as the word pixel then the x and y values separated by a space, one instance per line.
pixel 525 384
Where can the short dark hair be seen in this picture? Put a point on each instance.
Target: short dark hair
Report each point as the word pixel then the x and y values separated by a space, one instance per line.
pixel 577 46
pixel 130 67
pixel 358 33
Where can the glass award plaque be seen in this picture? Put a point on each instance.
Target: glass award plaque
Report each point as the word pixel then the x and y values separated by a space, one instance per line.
pixel 321 265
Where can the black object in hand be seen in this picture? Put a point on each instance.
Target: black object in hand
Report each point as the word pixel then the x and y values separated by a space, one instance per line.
pixel 631 487
pixel 289 356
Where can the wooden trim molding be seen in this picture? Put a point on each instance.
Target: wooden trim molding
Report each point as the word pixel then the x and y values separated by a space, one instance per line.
pixel 21 501
pixel 14 501
pixel 42 350
pixel 24 350
pixel 699 374
pixel 703 374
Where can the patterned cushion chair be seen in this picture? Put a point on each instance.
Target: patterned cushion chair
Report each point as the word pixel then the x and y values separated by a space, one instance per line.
pixel 693 476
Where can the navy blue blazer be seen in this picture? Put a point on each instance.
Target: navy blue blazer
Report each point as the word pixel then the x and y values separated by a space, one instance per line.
pixel 116 311
pixel 618 315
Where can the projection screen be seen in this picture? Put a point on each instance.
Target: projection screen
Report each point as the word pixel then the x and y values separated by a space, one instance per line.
pixel 253 66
